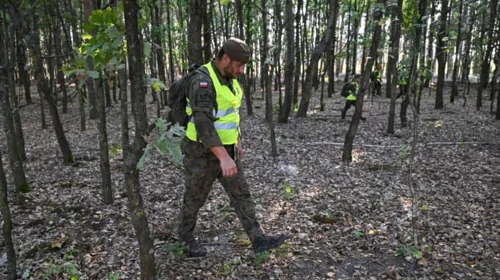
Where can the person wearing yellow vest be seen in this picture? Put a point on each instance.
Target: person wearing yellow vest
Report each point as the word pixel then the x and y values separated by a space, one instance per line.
pixel 350 99
pixel 376 77
pixel 212 147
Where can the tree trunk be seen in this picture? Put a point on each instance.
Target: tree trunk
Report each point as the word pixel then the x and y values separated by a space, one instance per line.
pixel 248 76
pixel 14 103
pixel 372 57
pixel 298 55
pixel 392 75
pixel 59 73
pixel 441 55
pixel 485 66
pixel 315 57
pixel 106 190
pixel 7 224
pixel 468 45
pixel 454 87
pixel 15 161
pixel 430 42
pixel 90 84
pixel 132 185
pixel 289 64
pixel 194 32
pixel 34 47
pixel 160 56
pixel 23 67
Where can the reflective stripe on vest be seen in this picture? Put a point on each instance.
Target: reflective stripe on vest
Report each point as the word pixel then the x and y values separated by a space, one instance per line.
pixel 227 118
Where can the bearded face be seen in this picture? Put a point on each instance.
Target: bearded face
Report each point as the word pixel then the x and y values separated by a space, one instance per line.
pixel 232 68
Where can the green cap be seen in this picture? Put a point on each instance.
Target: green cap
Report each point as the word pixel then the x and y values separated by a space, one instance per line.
pixel 236 49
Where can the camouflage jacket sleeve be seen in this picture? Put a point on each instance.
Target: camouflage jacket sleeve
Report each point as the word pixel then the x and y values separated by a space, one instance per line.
pixel 202 96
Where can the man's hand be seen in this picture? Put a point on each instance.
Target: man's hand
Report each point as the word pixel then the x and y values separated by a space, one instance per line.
pixel 227 164
pixel 228 167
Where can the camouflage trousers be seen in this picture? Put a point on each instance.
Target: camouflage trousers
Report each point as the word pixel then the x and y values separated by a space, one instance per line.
pixel 201 169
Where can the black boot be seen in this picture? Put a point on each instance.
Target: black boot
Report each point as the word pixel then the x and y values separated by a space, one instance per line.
pixel 268 242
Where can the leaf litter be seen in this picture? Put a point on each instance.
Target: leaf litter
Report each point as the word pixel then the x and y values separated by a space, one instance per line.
pixel 345 220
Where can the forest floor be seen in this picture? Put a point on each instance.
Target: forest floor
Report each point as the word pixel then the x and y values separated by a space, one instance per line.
pixel 345 221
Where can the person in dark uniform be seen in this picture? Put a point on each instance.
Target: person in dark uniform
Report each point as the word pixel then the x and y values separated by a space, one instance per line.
pixel 212 147
pixel 350 99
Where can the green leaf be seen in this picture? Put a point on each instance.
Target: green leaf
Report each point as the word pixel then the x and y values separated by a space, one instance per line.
pixel 161 146
pixel 93 74
pixel 416 253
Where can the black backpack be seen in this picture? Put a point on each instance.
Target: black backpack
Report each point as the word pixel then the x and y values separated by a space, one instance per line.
pixel 177 98
pixel 345 90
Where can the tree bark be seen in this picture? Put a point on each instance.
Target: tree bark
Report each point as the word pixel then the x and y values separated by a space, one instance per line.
pixel 132 184
pixel 90 84
pixel 392 75
pixel 106 189
pixel 313 64
pixel 441 55
pixel 454 87
pixel 248 77
pixel 194 32
pixel 298 56
pixel 289 64
pixel 15 161
pixel 372 57
pixel 485 66
pixel 7 225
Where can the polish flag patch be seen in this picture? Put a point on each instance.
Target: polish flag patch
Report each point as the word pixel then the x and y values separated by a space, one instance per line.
pixel 203 84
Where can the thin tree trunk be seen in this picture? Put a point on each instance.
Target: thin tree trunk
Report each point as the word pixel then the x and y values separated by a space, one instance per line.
pixel 454 87
pixel 485 66
pixel 34 46
pixel 170 45
pixel 60 75
pixel 22 66
pixel 289 64
pixel 430 42
pixel 392 75
pixel 7 224
pixel 315 57
pixel 353 127
pixel 247 78
pixel 441 55
pixel 15 161
pixel 90 84
pixel 106 190
pixel 132 184
pixel 18 130
pixel 468 44
pixel 194 32
pixel 298 55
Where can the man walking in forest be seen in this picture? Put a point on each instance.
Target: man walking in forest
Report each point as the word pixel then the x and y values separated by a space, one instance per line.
pixel 376 77
pixel 350 99
pixel 212 147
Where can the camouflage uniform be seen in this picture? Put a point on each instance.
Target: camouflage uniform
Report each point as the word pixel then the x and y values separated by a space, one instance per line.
pixel 202 167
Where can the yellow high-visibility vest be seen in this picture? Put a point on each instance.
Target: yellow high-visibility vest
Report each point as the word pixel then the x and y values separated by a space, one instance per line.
pixel 227 117
pixel 351 96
